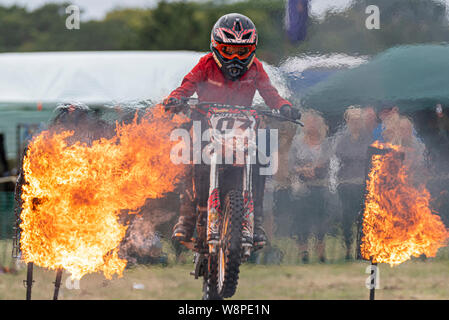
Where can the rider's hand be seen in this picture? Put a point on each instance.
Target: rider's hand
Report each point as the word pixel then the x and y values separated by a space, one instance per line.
pixel 172 105
pixel 289 112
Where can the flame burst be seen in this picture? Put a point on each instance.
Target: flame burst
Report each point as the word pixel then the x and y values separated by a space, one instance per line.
pixel 74 193
pixel 398 222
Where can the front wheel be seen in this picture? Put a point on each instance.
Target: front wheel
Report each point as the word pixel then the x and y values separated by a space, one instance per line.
pixel 210 291
pixel 230 250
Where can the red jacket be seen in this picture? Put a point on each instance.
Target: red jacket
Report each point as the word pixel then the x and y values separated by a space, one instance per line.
pixel 207 80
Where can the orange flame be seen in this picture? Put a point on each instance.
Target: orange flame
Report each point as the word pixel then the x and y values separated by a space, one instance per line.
pixel 74 193
pixel 398 222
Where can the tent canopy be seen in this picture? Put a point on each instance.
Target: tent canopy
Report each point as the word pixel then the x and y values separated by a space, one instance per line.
pixel 412 77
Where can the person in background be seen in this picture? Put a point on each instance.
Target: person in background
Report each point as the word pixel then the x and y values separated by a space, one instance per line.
pixel 369 118
pixel 439 185
pixel 389 116
pixel 385 114
pixel 4 167
pixel 442 123
pixel 308 166
pixel 350 151
pixel 400 132
pixel 297 13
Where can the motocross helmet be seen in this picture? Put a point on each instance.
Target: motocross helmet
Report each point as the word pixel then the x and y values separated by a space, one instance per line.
pixel 233 44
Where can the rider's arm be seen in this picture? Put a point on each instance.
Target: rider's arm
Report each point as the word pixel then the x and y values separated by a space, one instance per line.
pixel 267 90
pixel 190 82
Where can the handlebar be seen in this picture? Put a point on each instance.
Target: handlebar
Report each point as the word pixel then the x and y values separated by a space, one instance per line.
pixel 275 114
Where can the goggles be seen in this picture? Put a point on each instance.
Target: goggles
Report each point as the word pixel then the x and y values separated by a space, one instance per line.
pixel 232 51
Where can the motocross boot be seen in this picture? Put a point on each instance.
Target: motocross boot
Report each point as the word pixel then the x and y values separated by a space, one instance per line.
pixel 259 237
pixel 184 228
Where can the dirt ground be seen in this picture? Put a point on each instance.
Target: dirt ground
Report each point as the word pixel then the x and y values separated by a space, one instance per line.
pixel 411 280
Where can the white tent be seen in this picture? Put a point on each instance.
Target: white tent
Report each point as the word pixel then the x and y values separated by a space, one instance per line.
pixel 90 77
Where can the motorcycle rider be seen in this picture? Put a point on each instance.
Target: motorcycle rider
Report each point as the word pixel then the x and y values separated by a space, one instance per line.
pixel 230 74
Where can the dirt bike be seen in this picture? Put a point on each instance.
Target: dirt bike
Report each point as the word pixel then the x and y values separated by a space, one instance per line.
pixel 224 230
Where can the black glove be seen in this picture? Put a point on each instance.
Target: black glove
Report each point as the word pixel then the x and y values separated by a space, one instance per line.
pixel 289 112
pixel 173 105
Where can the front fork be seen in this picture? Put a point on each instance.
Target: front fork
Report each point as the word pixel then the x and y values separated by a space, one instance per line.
pixel 248 211
pixel 215 216
pixel 213 208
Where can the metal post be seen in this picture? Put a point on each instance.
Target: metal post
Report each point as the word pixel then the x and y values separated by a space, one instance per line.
pixel 372 291
pixel 29 281
pixel 57 284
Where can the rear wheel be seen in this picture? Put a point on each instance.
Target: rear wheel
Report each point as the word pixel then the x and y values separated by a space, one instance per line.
pixel 230 250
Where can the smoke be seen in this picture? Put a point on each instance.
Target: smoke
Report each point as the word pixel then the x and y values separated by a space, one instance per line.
pixel 142 243
pixel 90 124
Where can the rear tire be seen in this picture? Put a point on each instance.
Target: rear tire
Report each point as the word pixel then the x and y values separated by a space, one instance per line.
pixel 230 252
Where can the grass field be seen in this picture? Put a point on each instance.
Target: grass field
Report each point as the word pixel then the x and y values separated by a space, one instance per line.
pixel 411 280
pixel 415 279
